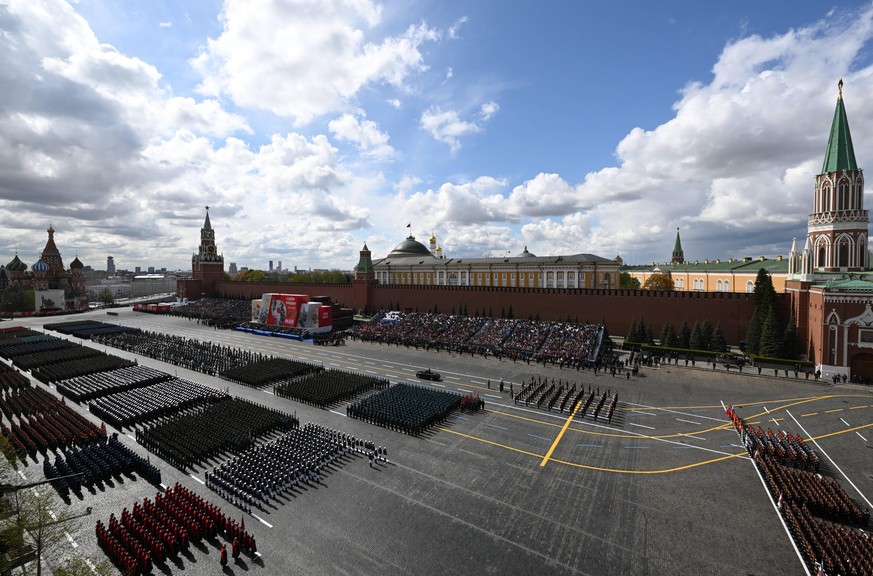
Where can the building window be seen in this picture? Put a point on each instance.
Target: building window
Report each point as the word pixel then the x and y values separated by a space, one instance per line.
pixel 718 286
pixel 865 338
pixel 680 283
pixel 727 285
pixel 550 279
pixel 512 279
pixel 750 286
pixel 560 281
pixel 571 279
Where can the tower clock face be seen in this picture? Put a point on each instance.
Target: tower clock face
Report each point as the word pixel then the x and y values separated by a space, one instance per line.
pixel 211 249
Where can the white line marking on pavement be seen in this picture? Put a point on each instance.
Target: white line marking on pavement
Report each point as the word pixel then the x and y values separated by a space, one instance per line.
pixel 496 426
pixel 467 391
pixel 268 392
pixel 859 434
pixel 688 421
pixel 540 437
pixel 20 473
pixel 335 364
pixel 387 366
pixel 765 410
pixel 695 437
pixel 782 520
pixel 262 521
pixel 370 371
pixel 641 413
pixel 493 396
pixel 198 479
pixel 846 423
pixel 335 412
pixel 817 445
pixel 70 538
pixel 452 378
pixel 641 426
pixel 435 384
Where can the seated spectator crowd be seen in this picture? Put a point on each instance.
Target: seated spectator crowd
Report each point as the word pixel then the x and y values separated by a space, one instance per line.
pixel 559 343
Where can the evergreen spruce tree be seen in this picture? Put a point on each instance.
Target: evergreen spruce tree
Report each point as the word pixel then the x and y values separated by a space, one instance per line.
pixel 641 331
pixel 665 333
pixel 650 338
pixel 510 314
pixel 706 335
pixel 790 340
pixel 719 344
pixel 753 336
pixel 764 297
pixel 696 337
pixel 771 341
pixel 684 335
pixel 630 338
pixel 672 339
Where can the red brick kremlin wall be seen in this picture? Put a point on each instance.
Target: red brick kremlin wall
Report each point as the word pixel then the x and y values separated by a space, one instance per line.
pixel 618 308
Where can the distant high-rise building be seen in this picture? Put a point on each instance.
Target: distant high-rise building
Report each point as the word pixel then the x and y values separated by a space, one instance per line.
pixel 137 269
pixel 110 265
pixel 151 269
pixel 271 265
pixel 232 268
pixel 279 267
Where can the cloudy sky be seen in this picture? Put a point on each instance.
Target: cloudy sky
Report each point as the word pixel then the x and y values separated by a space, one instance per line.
pixel 312 126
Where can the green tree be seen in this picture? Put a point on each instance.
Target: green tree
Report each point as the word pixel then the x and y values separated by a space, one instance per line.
pixel 665 333
pixel 650 337
pixel 719 344
pixel 696 337
pixel 628 282
pixel 753 335
pixel 771 342
pixel 684 335
pixel 706 335
pixel 105 297
pixel 672 340
pixel 790 340
pixel 631 333
pixel 764 297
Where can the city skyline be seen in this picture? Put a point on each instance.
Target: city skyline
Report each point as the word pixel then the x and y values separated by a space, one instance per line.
pixel 495 129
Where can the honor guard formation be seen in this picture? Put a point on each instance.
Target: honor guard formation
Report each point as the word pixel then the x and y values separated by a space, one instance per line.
pixel 820 515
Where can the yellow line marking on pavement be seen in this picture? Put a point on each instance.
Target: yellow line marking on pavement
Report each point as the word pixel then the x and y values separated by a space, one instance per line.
pixel 560 435
pixel 857 407
pixel 835 410
pixel 598 468
pixel 498 444
pixel 838 432
pixel 810 414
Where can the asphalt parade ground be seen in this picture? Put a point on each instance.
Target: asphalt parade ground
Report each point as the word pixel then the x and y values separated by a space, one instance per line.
pixel 665 488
